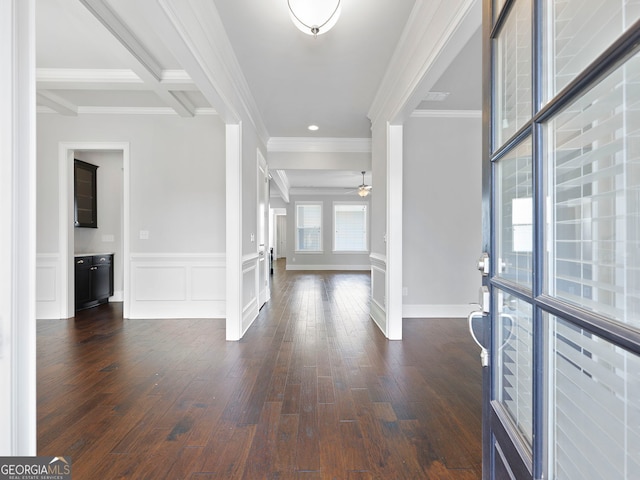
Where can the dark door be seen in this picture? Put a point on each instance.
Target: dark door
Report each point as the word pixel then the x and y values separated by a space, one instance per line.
pixel 562 230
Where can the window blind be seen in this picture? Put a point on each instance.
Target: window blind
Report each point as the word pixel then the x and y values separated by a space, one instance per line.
pixel 309 227
pixel 595 187
pixel 595 420
pixel 350 228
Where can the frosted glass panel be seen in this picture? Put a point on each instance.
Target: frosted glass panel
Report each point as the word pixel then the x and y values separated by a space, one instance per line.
pixel 594 193
pixel 514 346
pixel 514 214
pixel 576 32
pixel 595 418
pixel 512 86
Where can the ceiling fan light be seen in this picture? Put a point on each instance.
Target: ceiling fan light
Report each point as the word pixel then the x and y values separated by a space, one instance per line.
pixel 314 17
pixel 363 191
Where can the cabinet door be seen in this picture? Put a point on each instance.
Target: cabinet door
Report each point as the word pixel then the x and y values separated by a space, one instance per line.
pixel 85 190
pixel 83 281
pixel 102 281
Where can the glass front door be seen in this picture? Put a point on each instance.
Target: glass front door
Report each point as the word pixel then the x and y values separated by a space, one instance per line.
pixel 562 196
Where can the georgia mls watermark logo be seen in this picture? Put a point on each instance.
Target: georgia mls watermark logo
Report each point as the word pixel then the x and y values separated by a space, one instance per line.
pixel 35 468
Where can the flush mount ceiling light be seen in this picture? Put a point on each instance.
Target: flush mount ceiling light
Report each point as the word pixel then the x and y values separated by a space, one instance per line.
pixel 364 189
pixel 314 17
pixel 313 128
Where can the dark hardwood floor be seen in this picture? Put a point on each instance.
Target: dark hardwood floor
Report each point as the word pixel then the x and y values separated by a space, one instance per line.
pixel 313 391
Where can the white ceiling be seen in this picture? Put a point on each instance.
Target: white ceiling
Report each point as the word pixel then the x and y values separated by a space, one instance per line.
pixel 295 79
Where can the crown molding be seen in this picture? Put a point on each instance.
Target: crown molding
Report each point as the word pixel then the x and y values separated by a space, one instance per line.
pixel 434 34
pixel 316 191
pixel 319 145
pixel 446 114
pixel 124 111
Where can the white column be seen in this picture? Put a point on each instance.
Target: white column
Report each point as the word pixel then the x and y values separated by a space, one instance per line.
pixel 234 231
pixel 17 229
pixel 394 232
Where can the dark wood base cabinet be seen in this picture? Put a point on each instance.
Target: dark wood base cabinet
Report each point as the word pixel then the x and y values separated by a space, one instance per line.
pixel 94 280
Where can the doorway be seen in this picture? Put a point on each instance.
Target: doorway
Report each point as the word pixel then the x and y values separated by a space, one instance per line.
pixel 115 162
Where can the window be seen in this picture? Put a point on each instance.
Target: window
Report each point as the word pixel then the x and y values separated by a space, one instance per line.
pixel 308 227
pixel 350 227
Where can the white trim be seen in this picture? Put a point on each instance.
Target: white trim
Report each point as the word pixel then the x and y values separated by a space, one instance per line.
pixel 177 285
pixel 378 315
pixel 447 114
pixel 350 191
pixel 127 111
pixel 65 216
pixel 436 311
pixel 62 76
pixel 195 33
pixel 233 169
pixel 434 34
pixel 18 433
pixel 322 145
pixel 394 231
pixel 378 258
pixel 359 268
pixel 216 257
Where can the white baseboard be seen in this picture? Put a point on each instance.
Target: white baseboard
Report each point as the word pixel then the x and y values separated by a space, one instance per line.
pixel 437 311
pixel 330 267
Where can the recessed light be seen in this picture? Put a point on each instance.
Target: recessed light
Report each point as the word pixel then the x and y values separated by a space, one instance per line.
pixel 436 96
pixel 313 128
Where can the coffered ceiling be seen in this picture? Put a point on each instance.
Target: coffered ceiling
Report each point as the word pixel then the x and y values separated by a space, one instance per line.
pixel 109 56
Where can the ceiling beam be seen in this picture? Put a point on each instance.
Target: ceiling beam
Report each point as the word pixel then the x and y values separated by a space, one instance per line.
pixel 280 180
pixel 56 103
pixel 147 67
pixel 110 19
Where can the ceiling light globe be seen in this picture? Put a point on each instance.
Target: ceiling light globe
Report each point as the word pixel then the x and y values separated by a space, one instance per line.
pixel 314 17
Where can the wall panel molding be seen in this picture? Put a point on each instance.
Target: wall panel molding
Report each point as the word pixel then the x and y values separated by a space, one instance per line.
pixel 378 290
pixel 47 286
pixel 178 285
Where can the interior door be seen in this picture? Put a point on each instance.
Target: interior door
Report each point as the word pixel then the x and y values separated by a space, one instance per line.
pixel 282 235
pixel 562 239
pixel 263 232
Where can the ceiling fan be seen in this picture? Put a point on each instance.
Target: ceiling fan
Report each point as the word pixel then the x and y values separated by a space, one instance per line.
pixel 364 189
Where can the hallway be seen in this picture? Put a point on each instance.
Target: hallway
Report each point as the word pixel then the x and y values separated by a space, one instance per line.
pixel 312 391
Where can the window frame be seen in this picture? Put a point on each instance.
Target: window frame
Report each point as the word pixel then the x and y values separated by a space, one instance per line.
pixel 297 245
pixel 366 227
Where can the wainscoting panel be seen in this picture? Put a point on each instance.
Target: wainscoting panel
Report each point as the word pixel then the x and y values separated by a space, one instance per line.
pixel 378 291
pixel 177 285
pixel 48 286
pixel 250 272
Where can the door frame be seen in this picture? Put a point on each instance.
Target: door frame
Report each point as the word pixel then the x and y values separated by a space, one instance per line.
pixel 65 219
pixel 263 292
pixel 497 426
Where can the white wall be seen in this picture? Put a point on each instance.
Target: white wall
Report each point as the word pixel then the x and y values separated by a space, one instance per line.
pixel 177 195
pixel 442 216
pixel 327 260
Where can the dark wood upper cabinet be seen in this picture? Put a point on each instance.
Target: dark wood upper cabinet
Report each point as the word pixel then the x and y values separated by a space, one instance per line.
pixel 85 194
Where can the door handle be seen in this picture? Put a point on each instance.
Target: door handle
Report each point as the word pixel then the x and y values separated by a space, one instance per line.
pixel 484 353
